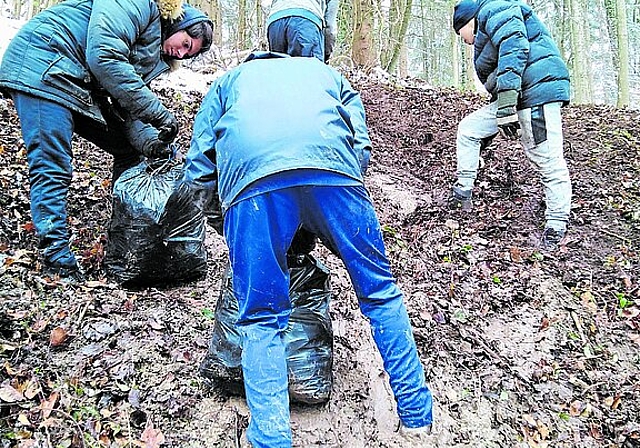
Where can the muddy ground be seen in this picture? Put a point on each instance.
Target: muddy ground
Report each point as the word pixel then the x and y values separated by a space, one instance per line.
pixel 520 348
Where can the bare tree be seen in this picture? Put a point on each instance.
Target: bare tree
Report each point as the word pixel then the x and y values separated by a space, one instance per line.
pixel 579 62
pixel 398 22
pixel 363 51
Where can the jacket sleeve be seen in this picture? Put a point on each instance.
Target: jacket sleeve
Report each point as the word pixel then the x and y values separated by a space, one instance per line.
pixel 504 24
pixel 200 161
pixel 353 104
pixel 114 27
pixel 139 134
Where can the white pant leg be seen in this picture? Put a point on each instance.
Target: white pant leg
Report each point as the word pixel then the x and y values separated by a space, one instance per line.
pixel 542 140
pixel 472 130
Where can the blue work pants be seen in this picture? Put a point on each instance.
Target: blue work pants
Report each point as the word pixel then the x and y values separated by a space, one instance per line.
pixel 259 230
pixel 47 130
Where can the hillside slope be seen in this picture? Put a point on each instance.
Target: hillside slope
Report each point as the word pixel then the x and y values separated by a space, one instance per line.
pixel 521 349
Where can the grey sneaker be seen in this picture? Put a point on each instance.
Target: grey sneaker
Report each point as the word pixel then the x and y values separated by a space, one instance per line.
pixel 552 238
pixel 460 199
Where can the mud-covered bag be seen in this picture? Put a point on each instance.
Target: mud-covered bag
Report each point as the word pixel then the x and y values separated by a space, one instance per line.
pixel 308 338
pixel 157 228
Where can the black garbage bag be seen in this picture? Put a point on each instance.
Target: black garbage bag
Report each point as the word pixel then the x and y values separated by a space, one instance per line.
pixel 308 338
pixel 157 228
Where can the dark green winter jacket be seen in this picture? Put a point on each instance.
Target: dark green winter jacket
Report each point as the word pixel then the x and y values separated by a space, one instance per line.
pixel 513 50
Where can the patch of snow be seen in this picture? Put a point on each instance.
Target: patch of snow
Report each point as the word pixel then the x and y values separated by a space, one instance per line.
pixel 185 79
pixel 9 28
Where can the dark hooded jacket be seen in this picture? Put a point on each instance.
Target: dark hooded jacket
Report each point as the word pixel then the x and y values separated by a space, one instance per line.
pixel 91 54
pixel 513 50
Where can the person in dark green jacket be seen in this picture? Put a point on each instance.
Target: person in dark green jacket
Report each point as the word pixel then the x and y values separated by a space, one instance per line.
pixel 85 66
pixel 520 66
pixel 303 27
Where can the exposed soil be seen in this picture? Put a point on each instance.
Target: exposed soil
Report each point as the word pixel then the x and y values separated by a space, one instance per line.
pixel 521 348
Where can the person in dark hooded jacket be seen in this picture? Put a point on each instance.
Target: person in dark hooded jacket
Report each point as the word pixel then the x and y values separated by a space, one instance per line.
pixel 301 164
pixel 303 27
pixel 520 66
pixel 84 66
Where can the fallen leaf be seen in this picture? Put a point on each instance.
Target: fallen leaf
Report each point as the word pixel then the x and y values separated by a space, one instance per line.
pixel 544 324
pixel 543 430
pixel 516 254
pixel 46 406
pixel 58 336
pixel 630 313
pixel 10 394
pixel 24 420
pixel 151 437
pixel 32 388
pixel 529 420
pixel 155 324
pixel 576 408
pixel 39 325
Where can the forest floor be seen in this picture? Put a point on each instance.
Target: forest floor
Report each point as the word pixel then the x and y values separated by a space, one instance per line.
pixel 521 348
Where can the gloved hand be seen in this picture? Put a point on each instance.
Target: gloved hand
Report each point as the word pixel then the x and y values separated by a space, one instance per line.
pixel 157 149
pixel 364 160
pixel 508 114
pixel 167 126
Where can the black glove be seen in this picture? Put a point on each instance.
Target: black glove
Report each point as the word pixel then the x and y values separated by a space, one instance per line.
pixel 209 201
pixel 167 126
pixel 508 114
pixel 157 149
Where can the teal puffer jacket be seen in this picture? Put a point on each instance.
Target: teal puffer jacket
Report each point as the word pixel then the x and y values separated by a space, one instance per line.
pixel 86 54
pixel 513 50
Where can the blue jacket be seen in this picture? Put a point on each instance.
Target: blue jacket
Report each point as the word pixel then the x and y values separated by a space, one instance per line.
pixel 513 50
pixel 91 54
pixel 273 114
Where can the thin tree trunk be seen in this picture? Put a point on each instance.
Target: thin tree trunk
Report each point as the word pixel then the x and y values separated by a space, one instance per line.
pixel 579 58
pixel 399 17
pixel 623 54
pixel 363 49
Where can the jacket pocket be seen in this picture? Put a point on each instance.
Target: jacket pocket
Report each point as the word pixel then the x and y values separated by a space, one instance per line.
pixel 68 77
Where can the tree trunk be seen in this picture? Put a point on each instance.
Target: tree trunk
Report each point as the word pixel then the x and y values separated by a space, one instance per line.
pixel 242 32
pixel 399 16
pixel 363 50
pixel 623 54
pixel 579 59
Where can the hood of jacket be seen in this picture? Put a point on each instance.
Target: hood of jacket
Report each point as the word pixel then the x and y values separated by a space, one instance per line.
pixel 187 16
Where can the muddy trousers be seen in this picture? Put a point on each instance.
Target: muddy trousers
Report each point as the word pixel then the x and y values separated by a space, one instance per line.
pixel 47 130
pixel 259 231
pixel 542 140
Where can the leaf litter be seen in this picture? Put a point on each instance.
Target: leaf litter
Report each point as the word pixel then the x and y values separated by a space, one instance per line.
pixel 520 348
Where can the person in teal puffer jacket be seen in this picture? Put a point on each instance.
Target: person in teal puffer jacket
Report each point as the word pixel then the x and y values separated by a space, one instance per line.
pixel 284 142
pixel 84 66
pixel 520 66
